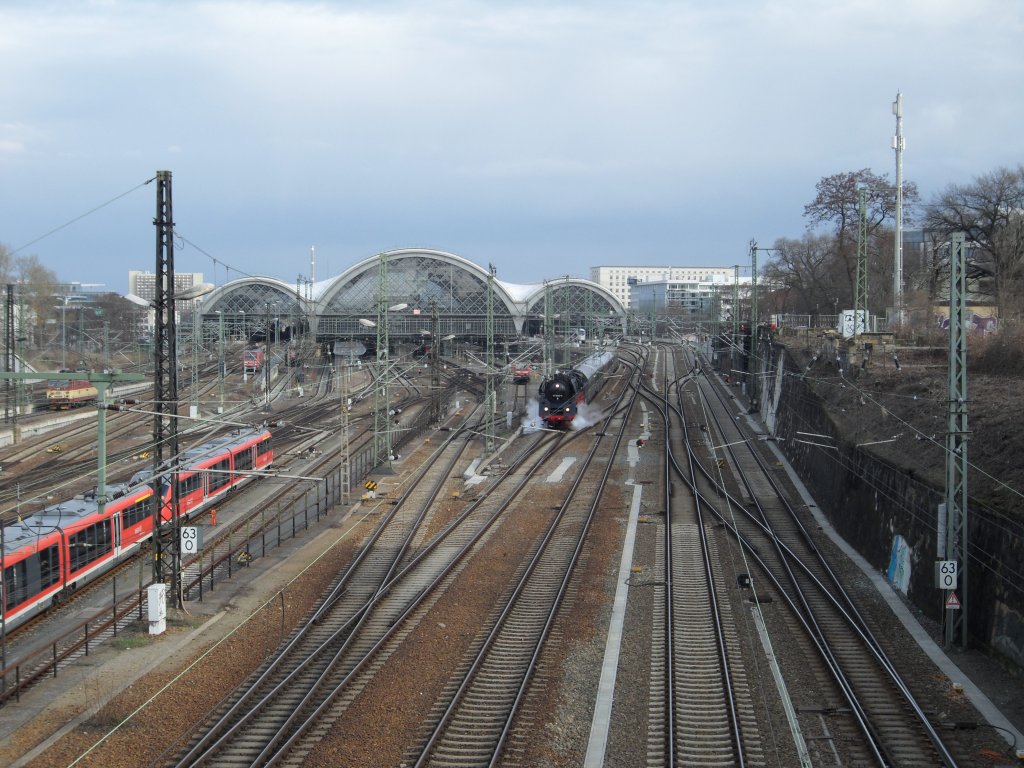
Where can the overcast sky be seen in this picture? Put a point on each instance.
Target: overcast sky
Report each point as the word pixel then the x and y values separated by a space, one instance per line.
pixel 542 137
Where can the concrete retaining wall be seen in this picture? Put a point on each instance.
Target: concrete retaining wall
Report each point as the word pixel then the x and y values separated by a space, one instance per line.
pixel 890 516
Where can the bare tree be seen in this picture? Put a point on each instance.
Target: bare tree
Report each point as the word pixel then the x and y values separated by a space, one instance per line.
pixel 801 270
pixel 837 203
pixel 35 286
pixel 990 211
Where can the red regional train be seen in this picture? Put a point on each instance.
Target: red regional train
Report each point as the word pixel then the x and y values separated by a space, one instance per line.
pixel 61 394
pixel 51 553
pixel 521 373
pixel 252 360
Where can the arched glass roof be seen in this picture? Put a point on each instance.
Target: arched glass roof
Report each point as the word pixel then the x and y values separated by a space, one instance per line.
pixel 428 282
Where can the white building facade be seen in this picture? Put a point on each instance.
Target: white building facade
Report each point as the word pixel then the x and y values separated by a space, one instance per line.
pixel 143 285
pixel 619 279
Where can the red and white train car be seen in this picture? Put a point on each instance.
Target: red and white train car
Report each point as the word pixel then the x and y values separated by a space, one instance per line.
pixel 212 469
pixel 53 552
pixel 62 394
pixel 253 360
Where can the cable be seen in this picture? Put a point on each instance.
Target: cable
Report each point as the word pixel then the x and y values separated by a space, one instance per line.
pixel 82 216
pixel 845 382
pixel 1004 571
pixel 212 258
pixel 922 436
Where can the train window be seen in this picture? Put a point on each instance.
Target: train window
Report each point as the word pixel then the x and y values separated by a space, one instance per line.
pixel 15 584
pixel 88 545
pixel 49 567
pixel 220 478
pixel 189 484
pixel 243 459
pixel 263 447
pixel 30 576
pixel 136 513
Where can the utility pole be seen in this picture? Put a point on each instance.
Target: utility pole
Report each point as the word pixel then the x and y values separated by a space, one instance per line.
pixel 435 366
pixel 654 316
pixel 897 272
pixel 489 399
pixel 167 554
pixel 382 390
pixel 588 317
pixel 735 303
pixel 345 470
pixel 548 330
pixel 860 291
pixel 220 358
pixel 956 444
pixel 196 330
pixel 9 358
pixel 19 364
pixel 81 337
pixel 755 357
pixel 266 365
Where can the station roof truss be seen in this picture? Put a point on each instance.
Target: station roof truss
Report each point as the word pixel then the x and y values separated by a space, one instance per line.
pixel 422 279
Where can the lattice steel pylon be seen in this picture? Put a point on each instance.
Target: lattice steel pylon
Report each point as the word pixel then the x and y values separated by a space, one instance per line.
pixel 9 359
pixel 860 288
pixel 344 463
pixel 435 365
pixel 548 331
pixel 489 399
pixel 382 389
pixel 735 303
pixel 754 365
pixel 167 555
pixel 956 440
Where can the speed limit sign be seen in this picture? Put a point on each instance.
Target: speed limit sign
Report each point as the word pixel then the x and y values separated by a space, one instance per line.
pixel 945 574
pixel 191 540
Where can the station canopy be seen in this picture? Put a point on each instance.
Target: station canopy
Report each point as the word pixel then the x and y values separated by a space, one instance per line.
pixel 420 285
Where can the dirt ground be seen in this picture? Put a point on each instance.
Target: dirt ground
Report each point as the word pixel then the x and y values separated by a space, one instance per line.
pixel 880 400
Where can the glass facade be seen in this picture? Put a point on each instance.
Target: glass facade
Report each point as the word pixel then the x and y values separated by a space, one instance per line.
pixel 424 280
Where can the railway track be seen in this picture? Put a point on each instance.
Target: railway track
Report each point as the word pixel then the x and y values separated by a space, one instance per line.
pixel 58 638
pixel 365 616
pixel 389 580
pixel 705 698
pixel 475 718
pixel 878 719
pixel 706 709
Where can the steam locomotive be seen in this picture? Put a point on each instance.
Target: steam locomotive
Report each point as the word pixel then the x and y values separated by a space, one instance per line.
pixel 562 393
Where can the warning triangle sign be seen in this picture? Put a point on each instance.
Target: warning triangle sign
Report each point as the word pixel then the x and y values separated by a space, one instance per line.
pixel 952 602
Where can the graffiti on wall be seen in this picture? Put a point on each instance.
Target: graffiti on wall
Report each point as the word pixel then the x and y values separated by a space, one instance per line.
pixel 898 572
pixel 979 319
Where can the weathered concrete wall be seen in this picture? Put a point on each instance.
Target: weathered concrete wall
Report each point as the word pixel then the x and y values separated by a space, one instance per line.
pixel 875 505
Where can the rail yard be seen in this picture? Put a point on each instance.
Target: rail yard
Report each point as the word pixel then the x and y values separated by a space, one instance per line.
pixel 646 588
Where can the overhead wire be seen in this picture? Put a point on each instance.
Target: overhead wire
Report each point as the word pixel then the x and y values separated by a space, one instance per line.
pixel 213 258
pixel 81 216
pixel 849 383
pixel 1006 572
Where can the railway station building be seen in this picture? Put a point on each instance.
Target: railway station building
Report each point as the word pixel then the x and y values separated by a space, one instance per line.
pixel 420 294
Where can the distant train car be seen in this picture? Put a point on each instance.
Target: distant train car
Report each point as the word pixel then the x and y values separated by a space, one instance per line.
pixel 563 393
pixel 51 553
pixel 61 394
pixel 252 360
pixel 521 373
